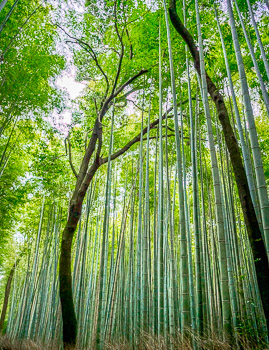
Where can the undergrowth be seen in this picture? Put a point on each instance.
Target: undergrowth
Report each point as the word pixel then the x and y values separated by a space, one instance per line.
pixel 146 342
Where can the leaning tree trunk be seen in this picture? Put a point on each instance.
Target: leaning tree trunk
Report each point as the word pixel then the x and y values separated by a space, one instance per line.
pixel 255 148
pixel 66 296
pixel 245 152
pixel 251 222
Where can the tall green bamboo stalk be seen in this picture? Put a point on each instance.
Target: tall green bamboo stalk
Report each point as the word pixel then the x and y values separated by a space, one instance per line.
pixel 185 298
pixel 225 297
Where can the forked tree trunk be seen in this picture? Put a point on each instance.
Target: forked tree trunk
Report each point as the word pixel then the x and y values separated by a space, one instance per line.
pixel 84 178
pixel 251 222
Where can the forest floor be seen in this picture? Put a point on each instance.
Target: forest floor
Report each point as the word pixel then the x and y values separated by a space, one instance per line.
pixel 148 343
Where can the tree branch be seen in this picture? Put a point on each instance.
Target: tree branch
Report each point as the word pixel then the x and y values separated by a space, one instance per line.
pixel 70 157
pixel 137 138
pixel 118 91
pixel 87 156
pixel 84 45
pixel 122 50
pixel 93 168
pixel 187 37
pixel 129 93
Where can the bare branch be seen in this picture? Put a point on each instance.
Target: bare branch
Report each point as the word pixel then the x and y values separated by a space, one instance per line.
pixel 96 164
pixel 70 156
pixel 84 45
pixel 122 50
pixel 108 101
pixel 87 156
pixel 113 49
pixel 128 82
pixel 130 92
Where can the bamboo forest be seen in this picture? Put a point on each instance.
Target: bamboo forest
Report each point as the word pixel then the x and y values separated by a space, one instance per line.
pixel 134 174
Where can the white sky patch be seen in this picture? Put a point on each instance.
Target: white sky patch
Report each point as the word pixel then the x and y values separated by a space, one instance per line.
pixel 19 238
pixel 67 117
pixel 73 87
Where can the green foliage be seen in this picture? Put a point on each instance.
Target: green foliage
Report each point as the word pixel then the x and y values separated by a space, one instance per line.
pixel 37 45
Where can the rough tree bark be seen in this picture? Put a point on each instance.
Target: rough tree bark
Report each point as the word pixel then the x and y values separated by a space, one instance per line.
pixel 251 222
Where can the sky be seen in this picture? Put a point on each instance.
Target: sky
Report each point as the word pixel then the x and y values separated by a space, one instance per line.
pixel 73 89
pixel 67 82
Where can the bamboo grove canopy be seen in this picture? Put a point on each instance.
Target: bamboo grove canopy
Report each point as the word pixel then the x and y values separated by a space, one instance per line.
pixel 134 166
